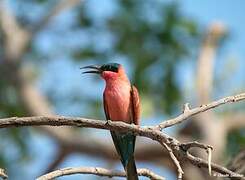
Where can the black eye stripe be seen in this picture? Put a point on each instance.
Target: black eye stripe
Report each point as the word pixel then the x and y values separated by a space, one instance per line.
pixel 110 67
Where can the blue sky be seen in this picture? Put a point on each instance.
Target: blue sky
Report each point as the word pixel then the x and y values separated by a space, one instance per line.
pixel 231 15
pixel 230 58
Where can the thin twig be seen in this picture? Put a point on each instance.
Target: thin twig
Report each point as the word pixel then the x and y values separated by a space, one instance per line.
pixel 208 148
pixel 175 160
pixel 209 151
pixel 196 161
pixel 187 146
pixel 119 126
pixel 146 131
pixel 97 171
pixel 187 114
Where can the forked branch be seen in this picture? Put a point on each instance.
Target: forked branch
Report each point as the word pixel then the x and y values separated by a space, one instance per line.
pixel 191 112
pixel 178 151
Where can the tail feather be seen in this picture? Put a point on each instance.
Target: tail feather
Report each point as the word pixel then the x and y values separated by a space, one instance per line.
pixel 125 144
pixel 131 169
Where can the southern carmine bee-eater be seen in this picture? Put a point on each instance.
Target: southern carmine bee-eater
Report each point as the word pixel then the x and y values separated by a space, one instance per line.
pixel 121 103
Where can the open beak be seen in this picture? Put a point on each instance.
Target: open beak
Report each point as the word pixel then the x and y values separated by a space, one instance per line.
pixel 94 69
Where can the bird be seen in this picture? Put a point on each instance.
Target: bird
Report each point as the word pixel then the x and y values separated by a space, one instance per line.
pixel 121 103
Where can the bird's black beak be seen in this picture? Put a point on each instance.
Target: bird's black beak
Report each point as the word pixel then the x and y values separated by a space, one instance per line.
pixel 95 69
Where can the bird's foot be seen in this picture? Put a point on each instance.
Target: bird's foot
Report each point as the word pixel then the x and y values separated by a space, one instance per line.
pixel 108 122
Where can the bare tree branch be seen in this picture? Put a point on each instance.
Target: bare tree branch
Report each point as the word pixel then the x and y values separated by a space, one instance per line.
pixel 237 164
pixel 187 146
pixel 97 171
pixel 146 131
pixel 215 167
pixel 191 112
pixel 175 160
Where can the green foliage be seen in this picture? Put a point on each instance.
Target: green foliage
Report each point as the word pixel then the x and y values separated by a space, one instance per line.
pixel 148 45
pixel 10 106
pixel 236 142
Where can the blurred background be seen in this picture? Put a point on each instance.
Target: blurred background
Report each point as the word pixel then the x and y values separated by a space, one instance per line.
pixel 173 51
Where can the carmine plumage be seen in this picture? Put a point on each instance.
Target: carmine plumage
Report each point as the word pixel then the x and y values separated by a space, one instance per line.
pixel 121 103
